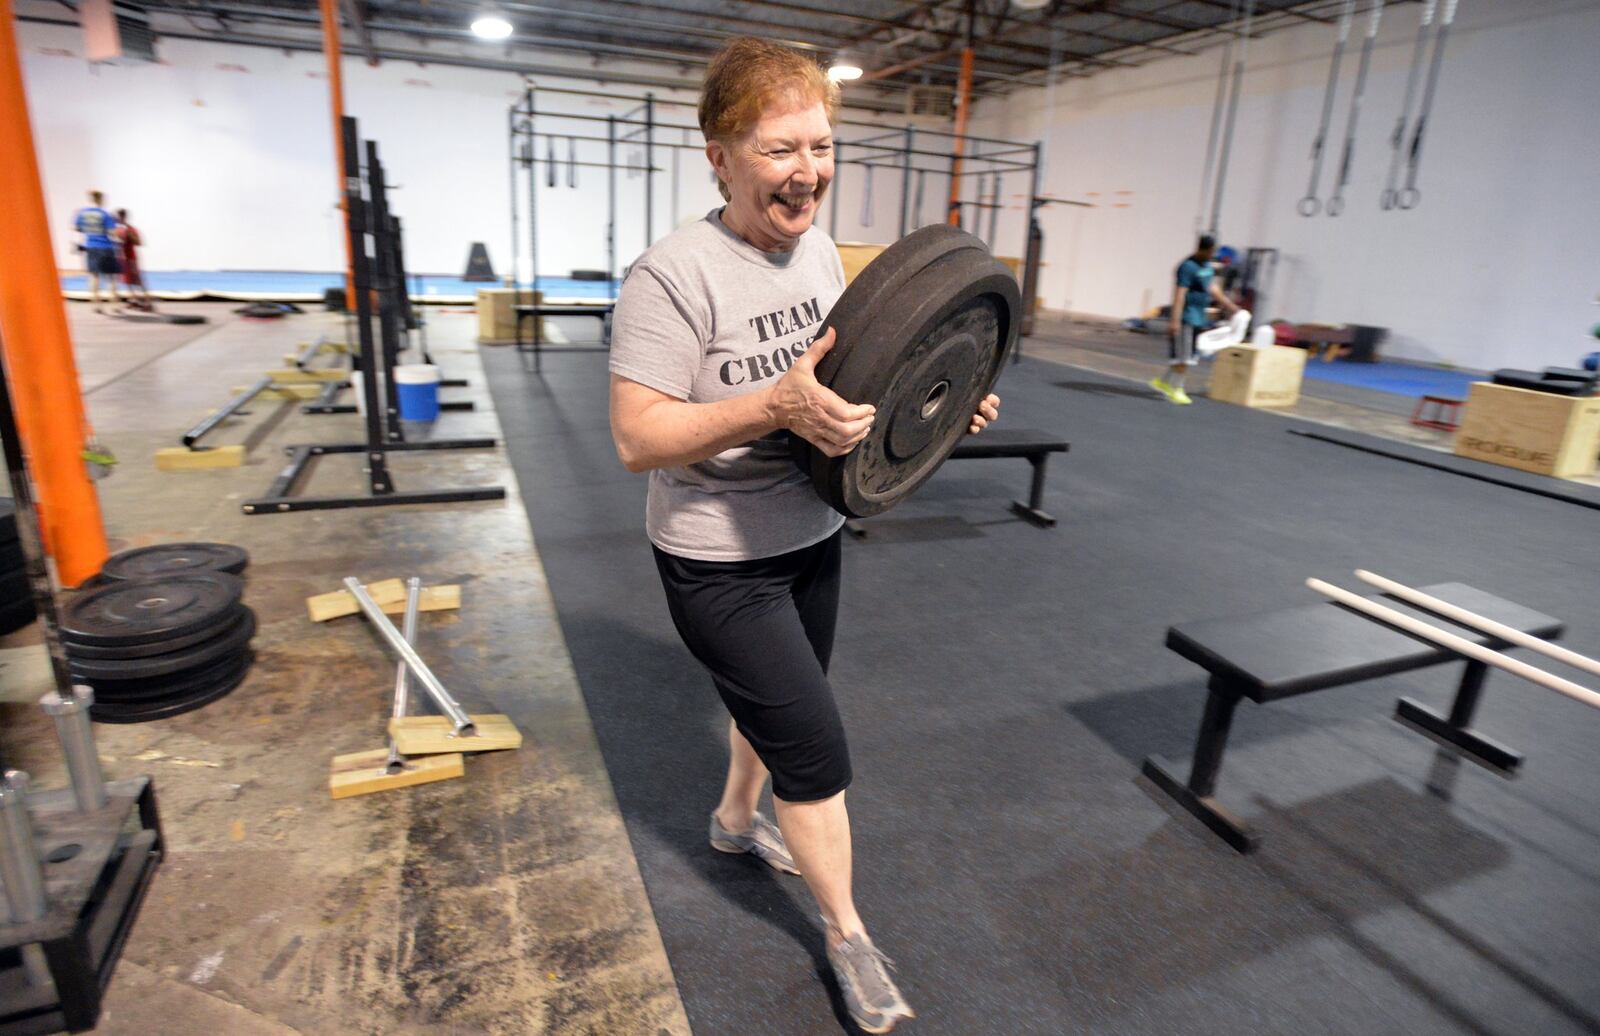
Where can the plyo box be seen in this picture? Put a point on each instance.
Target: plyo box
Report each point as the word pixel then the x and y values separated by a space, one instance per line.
pixel 497 321
pixel 1534 431
pixel 1247 376
pixel 855 256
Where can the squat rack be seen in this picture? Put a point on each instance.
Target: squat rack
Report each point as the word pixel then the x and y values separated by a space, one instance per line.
pixel 914 152
pixel 378 280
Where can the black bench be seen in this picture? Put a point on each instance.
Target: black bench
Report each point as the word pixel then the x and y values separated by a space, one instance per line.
pixel 1033 446
pixel 1281 654
pixel 600 311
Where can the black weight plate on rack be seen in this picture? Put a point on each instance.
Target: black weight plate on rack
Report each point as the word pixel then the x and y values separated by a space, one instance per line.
pixel 228 641
pixel 924 343
pixel 158 647
pixel 144 712
pixel 151 610
pixel 165 559
pixel 16 614
pixel 173 686
pixel 8 519
pixel 14 586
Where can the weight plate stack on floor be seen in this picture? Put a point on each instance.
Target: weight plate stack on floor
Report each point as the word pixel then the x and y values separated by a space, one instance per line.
pixel 157 647
pixel 16 598
pixel 923 333
pixel 165 559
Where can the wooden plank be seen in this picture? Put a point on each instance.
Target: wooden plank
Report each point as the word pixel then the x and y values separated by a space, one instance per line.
pixel 303 390
pixel 390 595
pixel 292 374
pixel 430 735
pixel 1541 432
pixel 362 773
pixel 181 458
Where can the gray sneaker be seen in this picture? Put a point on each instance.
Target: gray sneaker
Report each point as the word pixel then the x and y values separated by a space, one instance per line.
pixel 763 841
pixel 870 995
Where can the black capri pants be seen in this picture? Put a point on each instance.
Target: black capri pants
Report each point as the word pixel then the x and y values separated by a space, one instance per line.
pixel 764 628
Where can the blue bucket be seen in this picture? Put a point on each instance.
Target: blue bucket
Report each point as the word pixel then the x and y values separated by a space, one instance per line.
pixel 417 386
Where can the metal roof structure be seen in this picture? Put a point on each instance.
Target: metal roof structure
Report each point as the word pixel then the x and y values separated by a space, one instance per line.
pixel 901 44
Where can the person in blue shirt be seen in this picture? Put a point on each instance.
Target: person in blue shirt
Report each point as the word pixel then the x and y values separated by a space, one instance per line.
pixel 1196 289
pixel 100 251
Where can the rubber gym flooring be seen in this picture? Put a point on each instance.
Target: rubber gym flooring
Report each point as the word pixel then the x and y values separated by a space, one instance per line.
pixel 1001 683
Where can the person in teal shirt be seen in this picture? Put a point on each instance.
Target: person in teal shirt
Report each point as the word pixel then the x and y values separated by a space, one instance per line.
pixel 1195 290
pixel 100 251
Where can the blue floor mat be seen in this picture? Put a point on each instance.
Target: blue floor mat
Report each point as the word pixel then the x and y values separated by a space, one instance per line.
pixel 1400 379
pixel 289 283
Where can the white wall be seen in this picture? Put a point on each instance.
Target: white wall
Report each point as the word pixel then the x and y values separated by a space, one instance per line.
pixel 1498 266
pixel 224 156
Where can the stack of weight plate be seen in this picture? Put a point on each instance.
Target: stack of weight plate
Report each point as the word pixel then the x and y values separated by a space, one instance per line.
pixel 166 632
pixel 16 598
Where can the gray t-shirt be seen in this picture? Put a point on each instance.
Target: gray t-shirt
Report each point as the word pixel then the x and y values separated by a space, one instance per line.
pixel 705 316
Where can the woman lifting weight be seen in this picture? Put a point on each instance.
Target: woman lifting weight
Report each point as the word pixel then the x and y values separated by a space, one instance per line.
pixel 713 360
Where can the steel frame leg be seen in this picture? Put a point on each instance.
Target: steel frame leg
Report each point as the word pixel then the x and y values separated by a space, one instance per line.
pixel 1197 794
pixel 1030 511
pixel 1456 730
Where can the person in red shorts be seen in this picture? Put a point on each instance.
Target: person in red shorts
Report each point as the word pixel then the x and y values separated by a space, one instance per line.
pixel 128 242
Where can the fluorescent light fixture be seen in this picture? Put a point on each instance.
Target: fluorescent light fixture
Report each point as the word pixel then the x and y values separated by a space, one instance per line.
pixel 1029 5
pixel 844 68
pixel 491 26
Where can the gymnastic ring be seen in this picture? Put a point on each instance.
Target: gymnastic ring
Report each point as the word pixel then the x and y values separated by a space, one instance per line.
pixel 1335 204
pixel 1387 199
pixel 1308 205
pixel 1409 197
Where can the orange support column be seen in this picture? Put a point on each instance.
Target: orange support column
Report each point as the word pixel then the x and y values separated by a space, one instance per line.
pixel 38 346
pixel 963 103
pixel 331 49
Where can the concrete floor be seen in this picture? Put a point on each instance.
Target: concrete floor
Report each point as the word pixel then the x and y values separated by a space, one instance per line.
pixel 507 901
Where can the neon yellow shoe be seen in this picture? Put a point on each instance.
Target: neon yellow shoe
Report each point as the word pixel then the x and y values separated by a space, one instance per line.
pixel 1179 397
pixel 1161 387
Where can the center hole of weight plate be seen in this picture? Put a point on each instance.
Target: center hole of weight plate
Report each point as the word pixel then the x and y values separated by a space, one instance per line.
pixel 151 602
pixel 935 400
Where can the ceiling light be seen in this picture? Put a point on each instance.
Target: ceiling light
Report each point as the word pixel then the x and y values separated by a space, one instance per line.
pixel 1029 5
pixel 844 67
pixel 491 26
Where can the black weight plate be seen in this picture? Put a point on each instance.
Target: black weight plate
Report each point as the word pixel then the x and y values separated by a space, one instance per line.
pixel 157 647
pixel 929 345
pixel 174 686
pixel 144 712
pixel 16 614
pixel 8 519
pixel 11 559
pixel 165 559
pixel 150 610
pixel 229 641
pixel 14 586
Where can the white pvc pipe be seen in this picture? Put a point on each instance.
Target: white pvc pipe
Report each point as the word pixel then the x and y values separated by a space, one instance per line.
pixel 1476 621
pixel 1460 645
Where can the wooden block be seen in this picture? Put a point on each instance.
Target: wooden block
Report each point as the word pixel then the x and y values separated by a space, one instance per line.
pixel 302 390
pixel 390 595
pixel 362 773
pixel 429 735
pixel 181 458
pixel 497 321
pixel 855 257
pixel 1529 430
pixel 1248 376
pixel 294 374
